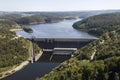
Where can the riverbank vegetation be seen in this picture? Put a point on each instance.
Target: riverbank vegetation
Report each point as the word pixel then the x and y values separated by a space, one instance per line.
pixel 99 60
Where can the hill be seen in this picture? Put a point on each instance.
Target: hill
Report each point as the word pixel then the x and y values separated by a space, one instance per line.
pixel 99 24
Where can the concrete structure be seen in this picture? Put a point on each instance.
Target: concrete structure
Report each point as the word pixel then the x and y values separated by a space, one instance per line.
pixel 61 46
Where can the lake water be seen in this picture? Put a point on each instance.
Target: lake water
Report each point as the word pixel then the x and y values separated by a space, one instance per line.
pixel 61 29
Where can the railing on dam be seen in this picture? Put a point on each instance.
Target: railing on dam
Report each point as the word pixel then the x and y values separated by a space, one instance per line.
pixel 62 39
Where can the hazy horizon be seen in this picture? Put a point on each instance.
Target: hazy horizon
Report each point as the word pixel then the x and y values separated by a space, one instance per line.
pixel 64 11
pixel 58 6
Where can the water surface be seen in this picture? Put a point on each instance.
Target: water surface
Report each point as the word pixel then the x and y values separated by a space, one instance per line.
pixel 61 29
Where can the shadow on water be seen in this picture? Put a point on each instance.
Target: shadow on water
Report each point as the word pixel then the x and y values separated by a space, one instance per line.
pixel 39 68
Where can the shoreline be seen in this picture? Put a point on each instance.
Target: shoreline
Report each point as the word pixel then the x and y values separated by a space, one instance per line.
pixel 37 57
pixel 13 30
pixel 12 71
pixel 19 67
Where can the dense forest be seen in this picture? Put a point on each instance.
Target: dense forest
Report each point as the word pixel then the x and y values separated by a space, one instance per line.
pixel 13 50
pixel 99 24
pixel 100 59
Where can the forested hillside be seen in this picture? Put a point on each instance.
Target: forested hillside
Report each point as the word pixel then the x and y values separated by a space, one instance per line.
pixel 37 19
pixel 99 24
pixel 99 60
pixel 26 18
pixel 13 50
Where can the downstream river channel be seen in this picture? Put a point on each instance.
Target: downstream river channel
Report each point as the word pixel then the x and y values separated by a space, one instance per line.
pixel 44 65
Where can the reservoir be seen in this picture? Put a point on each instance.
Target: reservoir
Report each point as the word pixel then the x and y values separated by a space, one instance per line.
pixel 44 65
pixel 62 29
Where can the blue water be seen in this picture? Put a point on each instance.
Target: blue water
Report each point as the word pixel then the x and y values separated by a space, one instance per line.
pixel 61 29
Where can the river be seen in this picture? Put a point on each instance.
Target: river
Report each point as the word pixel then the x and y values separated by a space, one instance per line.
pixel 61 29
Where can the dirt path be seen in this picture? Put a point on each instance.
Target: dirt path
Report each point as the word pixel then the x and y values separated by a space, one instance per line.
pixel 93 54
